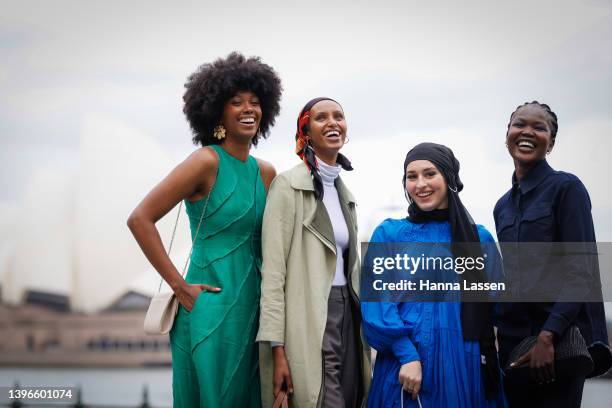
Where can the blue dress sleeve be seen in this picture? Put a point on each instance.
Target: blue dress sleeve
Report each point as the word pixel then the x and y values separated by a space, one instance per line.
pixel 494 266
pixel 383 326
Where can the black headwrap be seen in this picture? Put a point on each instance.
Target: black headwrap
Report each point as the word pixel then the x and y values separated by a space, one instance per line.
pixel 476 318
pixel 463 228
pixel 303 147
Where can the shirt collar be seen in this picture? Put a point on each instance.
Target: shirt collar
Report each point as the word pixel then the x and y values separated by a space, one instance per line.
pixel 533 177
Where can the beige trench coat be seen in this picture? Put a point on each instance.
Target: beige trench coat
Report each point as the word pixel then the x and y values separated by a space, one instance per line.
pixel 299 262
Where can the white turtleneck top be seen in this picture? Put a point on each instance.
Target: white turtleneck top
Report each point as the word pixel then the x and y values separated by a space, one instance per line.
pixel 332 205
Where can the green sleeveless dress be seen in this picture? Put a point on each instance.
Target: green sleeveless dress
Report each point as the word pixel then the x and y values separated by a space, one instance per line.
pixel 215 359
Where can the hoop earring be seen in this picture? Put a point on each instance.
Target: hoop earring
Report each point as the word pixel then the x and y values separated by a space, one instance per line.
pixel 346 140
pixel 219 132
pixel 454 190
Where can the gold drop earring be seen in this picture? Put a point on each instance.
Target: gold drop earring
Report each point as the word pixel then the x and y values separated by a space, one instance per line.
pixel 219 132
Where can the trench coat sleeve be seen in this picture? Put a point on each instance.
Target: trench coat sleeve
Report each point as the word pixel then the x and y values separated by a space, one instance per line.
pixel 383 326
pixel 277 233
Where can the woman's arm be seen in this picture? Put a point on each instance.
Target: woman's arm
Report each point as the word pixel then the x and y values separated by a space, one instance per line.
pixel 494 266
pixel 277 233
pixel 268 172
pixel 574 224
pixel 192 179
pixel 385 330
pixel 383 326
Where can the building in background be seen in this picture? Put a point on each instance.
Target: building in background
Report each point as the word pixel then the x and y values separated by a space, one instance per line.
pixel 43 332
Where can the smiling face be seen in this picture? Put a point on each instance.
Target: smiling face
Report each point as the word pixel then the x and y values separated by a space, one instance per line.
pixel 426 185
pixel 327 129
pixel 241 115
pixel 529 135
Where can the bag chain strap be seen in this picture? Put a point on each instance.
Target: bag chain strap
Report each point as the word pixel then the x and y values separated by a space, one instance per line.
pixel 194 238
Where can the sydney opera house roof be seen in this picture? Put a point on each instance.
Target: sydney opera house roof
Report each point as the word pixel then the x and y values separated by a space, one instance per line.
pixel 69 236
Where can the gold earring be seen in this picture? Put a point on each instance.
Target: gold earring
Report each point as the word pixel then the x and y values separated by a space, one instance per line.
pixel 219 132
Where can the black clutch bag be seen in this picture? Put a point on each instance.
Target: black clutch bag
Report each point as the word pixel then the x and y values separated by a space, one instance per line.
pixel 572 358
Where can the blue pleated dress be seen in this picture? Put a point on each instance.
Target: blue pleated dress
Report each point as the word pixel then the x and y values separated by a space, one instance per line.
pixel 426 331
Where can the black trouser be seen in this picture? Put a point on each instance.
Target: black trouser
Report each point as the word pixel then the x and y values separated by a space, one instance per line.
pixel 558 394
pixel 342 376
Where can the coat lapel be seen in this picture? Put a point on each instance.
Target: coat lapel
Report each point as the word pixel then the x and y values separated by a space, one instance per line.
pixel 320 224
pixel 318 221
pixel 347 203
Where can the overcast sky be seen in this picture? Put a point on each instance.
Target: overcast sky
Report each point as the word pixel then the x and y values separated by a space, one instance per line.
pixel 405 72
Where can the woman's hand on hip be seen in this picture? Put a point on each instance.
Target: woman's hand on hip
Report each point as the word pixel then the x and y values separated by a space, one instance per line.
pixel 410 377
pixel 187 294
pixel 282 375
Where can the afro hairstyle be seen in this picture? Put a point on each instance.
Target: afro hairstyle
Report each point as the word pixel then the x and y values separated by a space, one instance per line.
pixel 213 84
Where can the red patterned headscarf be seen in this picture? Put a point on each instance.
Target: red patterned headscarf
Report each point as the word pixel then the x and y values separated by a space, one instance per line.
pixel 304 149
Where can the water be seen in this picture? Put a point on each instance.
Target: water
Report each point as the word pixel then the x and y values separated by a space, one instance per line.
pixel 99 386
pixel 124 386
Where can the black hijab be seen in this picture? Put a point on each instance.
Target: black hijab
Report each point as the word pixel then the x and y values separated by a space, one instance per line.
pixel 463 228
pixel 476 318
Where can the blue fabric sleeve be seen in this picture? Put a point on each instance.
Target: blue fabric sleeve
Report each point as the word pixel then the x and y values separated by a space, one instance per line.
pixel 385 330
pixel 494 266
pixel 383 326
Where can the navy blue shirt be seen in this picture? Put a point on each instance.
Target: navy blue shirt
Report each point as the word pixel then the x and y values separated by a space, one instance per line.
pixel 547 206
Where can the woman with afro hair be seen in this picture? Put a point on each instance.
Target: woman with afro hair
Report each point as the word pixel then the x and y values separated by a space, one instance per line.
pixel 230 104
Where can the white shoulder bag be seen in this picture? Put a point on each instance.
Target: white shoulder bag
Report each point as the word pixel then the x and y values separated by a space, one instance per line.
pixel 164 305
